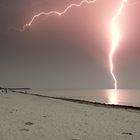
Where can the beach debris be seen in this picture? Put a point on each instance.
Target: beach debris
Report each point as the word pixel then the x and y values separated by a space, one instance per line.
pixel 13 110
pixel 127 133
pixel 44 116
pixel 29 123
pixel 24 129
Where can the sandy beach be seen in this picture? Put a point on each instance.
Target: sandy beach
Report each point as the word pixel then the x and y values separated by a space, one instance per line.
pixel 28 117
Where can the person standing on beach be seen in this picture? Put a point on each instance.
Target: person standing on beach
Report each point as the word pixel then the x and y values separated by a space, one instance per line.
pixel 3 90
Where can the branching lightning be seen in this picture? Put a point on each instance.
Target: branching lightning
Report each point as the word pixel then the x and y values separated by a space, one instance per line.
pixel 35 17
pixel 115 38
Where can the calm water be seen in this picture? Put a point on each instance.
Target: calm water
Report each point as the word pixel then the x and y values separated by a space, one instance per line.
pixel 121 97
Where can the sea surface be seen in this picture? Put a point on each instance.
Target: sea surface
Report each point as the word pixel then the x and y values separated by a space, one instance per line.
pixel 117 97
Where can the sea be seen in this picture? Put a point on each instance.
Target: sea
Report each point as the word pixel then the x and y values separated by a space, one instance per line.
pixel 107 96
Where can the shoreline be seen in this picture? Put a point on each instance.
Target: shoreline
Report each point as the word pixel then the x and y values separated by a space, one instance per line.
pixel 80 101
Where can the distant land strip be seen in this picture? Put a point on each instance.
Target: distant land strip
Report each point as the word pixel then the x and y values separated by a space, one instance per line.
pixel 1 88
pixel 5 90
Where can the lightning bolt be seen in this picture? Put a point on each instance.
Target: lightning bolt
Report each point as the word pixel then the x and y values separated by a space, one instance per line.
pixel 52 13
pixel 115 34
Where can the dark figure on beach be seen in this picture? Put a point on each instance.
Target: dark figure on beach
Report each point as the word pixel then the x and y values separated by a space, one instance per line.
pixel 6 90
pixel 3 90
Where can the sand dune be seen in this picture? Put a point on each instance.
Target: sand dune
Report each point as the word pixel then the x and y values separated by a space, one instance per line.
pixel 27 117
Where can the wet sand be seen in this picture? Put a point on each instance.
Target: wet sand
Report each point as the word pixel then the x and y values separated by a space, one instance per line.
pixel 28 117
